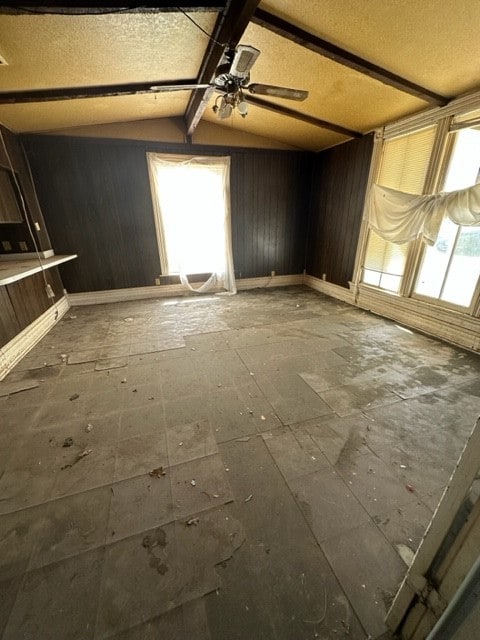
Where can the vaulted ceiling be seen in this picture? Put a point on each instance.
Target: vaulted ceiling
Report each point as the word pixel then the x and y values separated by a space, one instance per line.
pixel 363 63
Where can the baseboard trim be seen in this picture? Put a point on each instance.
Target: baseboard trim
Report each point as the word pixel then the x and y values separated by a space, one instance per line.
pixel 23 342
pixel 330 289
pixel 452 326
pixel 173 290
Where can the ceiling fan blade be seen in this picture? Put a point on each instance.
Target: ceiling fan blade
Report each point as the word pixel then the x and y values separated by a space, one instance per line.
pixel 278 92
pixel 158 88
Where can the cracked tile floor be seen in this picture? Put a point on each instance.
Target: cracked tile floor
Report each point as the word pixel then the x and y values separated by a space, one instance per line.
pixel 284 427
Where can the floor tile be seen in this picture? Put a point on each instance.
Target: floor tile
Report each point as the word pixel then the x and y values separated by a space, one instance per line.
pixel 156 571
pixel 83 469
pixel 137 504
pixel 139 455
pixel 294 457
pixel 370 571
pixel 373 484
pixel 190 441
pixel 19 532
pixel 340 439
pixel 72 525
pixel 142 420
pixel 210 486
pixel 293 400
pixel 328 506
pixel 405 525
pixel 58 601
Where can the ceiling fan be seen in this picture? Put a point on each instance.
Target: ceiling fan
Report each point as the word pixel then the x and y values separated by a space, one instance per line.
pixel 231 81
pixel 232 78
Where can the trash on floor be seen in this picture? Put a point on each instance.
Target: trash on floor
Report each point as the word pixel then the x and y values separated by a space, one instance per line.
pixel 89 427
pixel 67 442
pixel 249 498
pixel 192 521
pixel 74 397
pixel 157 473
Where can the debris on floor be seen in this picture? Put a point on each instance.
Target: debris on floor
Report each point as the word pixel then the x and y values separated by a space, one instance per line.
pixel 68 442
pixel 192 521
pixel 157 473
pixel 249 498
pixel 74 397
pixel 89 427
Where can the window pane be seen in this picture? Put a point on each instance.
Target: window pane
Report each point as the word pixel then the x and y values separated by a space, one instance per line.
pixel 435 261
pixel 464 268
pixel 443 276
pixel 404 166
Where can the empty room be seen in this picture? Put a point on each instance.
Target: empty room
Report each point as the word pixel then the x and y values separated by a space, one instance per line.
pixel 240 320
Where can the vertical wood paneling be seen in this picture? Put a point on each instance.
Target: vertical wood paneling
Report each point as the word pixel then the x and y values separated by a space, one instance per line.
pixel 9 326
pixel 96 198
pixel 29 298
pixel 339 181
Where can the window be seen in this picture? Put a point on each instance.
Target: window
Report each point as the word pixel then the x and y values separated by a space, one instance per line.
pixel 449 270
pixel 404 166
pixel 191 201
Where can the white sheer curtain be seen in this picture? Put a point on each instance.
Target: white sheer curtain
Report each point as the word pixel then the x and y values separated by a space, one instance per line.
pixel 191 199
pixel 400 217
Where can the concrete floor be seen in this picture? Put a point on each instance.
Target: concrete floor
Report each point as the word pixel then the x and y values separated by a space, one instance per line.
pixel 284 428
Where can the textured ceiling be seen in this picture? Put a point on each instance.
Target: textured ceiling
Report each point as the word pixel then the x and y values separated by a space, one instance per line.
pixel 63 51
pixel 426 41
pixel 336 94
pixel 48 116
pixel 433 43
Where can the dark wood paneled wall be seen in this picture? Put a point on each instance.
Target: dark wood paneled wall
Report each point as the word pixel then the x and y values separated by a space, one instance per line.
pixel 9 326
pixel 95 195
pixel 269 197
pixel 96 200
pixel 16 233
pixel 339 181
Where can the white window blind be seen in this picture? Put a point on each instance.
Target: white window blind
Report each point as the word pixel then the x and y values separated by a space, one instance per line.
pixel 404 167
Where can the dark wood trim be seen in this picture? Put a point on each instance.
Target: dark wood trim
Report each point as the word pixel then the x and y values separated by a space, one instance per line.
pixel 90 6
pixel 100 91
pixel 341 56
pixel 228 30
pixel 286 111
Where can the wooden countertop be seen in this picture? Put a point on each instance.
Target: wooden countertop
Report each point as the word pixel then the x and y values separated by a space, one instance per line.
pixel 13 270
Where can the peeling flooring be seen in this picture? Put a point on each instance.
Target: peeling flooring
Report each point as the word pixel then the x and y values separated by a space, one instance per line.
pixel 223 468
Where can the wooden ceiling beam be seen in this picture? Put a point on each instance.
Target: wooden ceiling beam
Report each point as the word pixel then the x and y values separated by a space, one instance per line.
pixel 291 113
pixel 99 91
pixel 341 56
pixel 105 6
pixel 228 30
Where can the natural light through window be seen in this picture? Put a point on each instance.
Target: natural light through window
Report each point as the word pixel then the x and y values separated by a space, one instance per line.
pixel 193 217
pixel 451 268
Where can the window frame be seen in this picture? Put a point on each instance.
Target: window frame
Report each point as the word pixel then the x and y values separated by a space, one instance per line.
pixel 442 149
pixel 447 140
